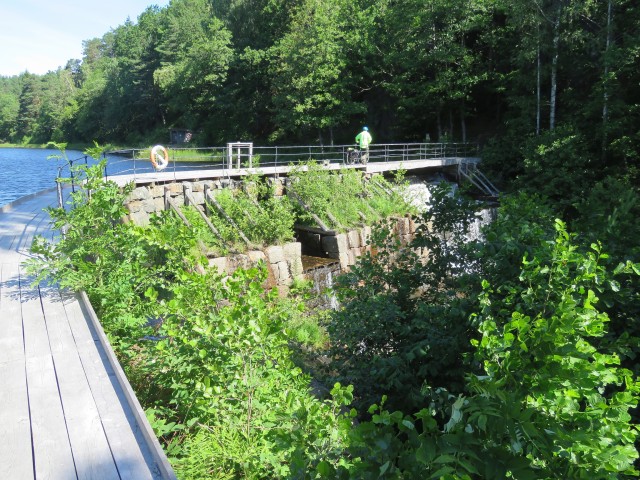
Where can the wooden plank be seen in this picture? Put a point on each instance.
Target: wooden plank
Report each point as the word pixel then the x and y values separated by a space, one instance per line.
pixel 122 432
pixel 61 339
pixel 27 202
pixel 6 242
pixel 36 338
pixel 165 470
pixel 51 446
pixel 35 225
pixel 89 445
pixel 16 460
pixel 10 255
pixel 91 451
pixel 11 334
pixel 20 232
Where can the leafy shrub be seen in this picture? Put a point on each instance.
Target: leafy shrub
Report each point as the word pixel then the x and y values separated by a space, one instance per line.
pixel 225 368
pixel 265 221
pixel 548 403
pixel 212 244
pixel 344 199
pixel 557 166
pixel 404 321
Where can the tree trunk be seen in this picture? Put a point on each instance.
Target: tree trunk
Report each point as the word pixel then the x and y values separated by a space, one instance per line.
pixel 463 124
pixel 538 86
pixel 331 135
pixel 605 95
pixel 450 136
pixel 439 127
pixel 554 67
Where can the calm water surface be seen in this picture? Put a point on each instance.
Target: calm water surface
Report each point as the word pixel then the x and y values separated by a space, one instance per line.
pixel 24 171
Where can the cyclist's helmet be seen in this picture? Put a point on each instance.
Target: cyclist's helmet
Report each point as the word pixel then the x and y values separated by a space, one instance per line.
pixel 366 129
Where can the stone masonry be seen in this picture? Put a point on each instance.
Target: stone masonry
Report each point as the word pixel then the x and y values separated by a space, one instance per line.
pixel 284 262
pixel 145 200
pixel 347 247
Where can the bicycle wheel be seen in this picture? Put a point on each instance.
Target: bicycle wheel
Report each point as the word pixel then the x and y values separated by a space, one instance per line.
pixel 350 157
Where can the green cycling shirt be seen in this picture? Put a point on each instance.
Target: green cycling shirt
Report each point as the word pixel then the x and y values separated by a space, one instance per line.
pixel 363 139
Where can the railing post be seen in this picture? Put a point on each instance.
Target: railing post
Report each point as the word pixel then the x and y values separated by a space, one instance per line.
pixel 174 164
pixel 104 156
pixel 59 188
pixel 73 184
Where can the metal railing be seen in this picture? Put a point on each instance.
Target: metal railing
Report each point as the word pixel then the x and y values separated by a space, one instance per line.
pixel 136 161
pixel 472 173
pixel 69 173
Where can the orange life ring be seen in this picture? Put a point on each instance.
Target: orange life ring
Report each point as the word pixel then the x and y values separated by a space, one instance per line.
pixel 158 161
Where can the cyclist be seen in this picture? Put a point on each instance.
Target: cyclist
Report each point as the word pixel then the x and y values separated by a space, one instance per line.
pixel 363 139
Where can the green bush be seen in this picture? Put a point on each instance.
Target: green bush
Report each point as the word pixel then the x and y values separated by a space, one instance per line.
pixel 208 357
pixel 265 221
pixel 404 320
pixel 344 199
pixel 547 403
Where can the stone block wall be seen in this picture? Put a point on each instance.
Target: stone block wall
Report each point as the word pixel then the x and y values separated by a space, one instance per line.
pixel 284 263
pixel 145 200
pixel 347 247
pixel 405 229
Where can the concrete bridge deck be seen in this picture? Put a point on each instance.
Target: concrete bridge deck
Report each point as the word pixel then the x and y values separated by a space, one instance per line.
pixel 170 175
pixel 67 411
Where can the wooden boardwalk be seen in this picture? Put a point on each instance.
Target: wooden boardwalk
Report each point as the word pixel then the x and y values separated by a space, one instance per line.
pixel 66 409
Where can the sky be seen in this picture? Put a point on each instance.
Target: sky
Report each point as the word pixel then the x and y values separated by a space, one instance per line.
pixel 41 35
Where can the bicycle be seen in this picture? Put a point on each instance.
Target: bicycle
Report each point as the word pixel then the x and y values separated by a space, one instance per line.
pixel 354 155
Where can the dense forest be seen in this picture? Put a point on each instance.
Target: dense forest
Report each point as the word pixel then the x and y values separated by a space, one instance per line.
pixel 511 355
pixel 291 70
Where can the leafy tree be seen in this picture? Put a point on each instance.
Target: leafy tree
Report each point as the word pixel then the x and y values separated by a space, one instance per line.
pixel 91 97
pixel 30 104
pixel 9 107
pixel 133 104
pixel 434 63
pixel 58 91
pixel 311 76
pixel 195 54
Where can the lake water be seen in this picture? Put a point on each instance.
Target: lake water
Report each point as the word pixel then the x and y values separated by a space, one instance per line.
pixel 24 171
